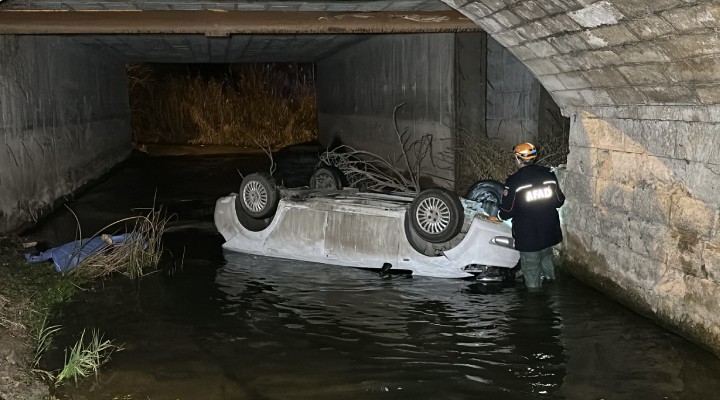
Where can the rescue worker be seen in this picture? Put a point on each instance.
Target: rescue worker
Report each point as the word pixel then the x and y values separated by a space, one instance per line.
pixel 531 198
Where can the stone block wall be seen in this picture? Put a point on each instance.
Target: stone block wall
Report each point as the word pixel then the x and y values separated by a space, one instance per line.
pixel 642 220
pixel 64 120
pixel 640 81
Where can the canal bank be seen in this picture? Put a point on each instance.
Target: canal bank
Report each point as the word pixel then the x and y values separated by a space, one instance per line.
pixel 27 294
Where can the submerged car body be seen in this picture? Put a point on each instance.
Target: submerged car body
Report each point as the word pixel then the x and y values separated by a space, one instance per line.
pixel 367 230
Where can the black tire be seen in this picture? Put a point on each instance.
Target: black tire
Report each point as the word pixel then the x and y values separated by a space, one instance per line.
pixel 259 195
pixel 327 177
pixel 248 222
pixel 489 193
pixel 436 215
pixel 416 242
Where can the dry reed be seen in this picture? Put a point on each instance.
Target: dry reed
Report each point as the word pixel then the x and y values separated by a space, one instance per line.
pixel 140 251
pixel 482 158
pixel 260 104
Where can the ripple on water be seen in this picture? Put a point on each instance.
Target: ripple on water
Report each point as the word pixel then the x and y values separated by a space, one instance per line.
pixel 263 328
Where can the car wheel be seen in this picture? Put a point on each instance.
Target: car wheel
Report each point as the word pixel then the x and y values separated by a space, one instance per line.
pixel 436 215
pixel 259 195
pixel 489 193
pixel 327 177
pixel 416 242
pixel 248 222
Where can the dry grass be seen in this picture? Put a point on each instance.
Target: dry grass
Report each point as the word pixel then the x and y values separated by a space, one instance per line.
pixel 368 171
pixel 478 158
pixel 132 257
pixel 482 158
pixel 260 104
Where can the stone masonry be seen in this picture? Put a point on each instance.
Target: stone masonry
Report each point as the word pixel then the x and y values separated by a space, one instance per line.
pixel 640 81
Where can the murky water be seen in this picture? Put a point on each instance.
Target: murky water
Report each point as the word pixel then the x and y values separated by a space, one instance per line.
pixel 222 325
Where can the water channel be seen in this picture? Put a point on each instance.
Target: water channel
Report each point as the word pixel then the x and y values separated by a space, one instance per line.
pixel 217 325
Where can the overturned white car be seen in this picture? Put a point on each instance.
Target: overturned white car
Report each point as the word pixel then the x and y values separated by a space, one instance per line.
pixel 435 233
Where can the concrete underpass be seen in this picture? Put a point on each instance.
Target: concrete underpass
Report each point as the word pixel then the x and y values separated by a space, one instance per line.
pixel 639 81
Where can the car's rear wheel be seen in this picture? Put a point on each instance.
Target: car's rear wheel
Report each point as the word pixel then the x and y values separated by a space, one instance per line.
pixel 327 177
pixel 436 215
pixel 259 195
pixel 489 193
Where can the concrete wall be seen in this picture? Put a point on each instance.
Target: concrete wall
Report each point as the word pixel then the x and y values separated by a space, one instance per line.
pixel 64 118
pixel 358 89
pixel 519 109
pixel 513 97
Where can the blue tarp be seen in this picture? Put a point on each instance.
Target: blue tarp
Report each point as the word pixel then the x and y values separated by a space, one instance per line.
pixel 68 256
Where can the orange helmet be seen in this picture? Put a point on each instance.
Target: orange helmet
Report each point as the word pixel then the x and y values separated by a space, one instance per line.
pixel 525 151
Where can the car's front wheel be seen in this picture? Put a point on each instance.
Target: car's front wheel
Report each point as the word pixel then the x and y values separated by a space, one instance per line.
pixel 259 195
pixel 436 215
pixel 488 193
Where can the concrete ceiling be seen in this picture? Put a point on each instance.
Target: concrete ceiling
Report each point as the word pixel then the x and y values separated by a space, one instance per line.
pixel 226 32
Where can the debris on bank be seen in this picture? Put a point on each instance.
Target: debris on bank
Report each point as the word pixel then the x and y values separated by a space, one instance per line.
pixel 67 256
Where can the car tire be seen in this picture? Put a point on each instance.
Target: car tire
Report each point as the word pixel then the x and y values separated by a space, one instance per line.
pixel 489 193
pixel 436 215
pixel 327 177
pixel 259 195
pixel 416 242
pixel 248 222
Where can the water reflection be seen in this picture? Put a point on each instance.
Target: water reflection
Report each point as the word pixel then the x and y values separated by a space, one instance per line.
pixel 225 326
pixel 359 334
pixel 234 326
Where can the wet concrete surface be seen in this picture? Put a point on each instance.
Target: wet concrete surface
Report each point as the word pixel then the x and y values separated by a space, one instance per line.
pixel 214 324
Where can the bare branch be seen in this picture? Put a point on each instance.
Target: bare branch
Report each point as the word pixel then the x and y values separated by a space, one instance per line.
pixel 266 148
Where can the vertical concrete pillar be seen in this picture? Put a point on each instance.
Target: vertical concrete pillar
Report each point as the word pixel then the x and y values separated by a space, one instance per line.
pixel 513 97
pixel 471 81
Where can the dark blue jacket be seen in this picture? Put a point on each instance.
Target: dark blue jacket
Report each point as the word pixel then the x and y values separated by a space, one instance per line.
pixel 531 198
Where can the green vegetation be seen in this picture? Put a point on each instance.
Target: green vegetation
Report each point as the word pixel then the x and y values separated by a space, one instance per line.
pixel 28 293
pixel 44 334
pixel 86 357
pixel 245 105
